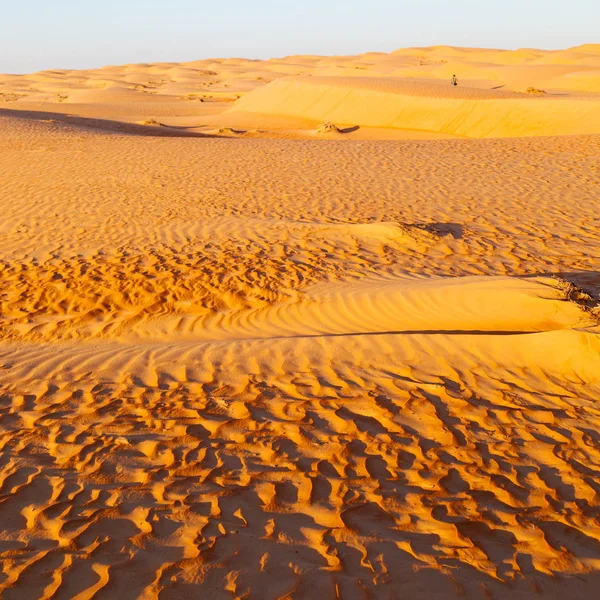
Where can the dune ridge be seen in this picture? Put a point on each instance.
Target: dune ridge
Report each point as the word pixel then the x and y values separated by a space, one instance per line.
pixel 401 105
pixel 461 305
pixel 400 95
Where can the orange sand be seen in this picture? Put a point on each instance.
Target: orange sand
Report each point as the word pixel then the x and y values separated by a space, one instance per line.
pixel 402 95
pixel 355 364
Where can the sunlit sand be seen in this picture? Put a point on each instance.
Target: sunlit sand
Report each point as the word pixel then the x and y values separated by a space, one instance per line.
pixel 313 327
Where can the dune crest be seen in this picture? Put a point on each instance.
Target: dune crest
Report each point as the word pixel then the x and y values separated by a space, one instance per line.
pixel 400 104
pixel 401 95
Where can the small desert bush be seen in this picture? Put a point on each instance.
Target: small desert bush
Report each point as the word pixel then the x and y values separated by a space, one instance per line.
pixel 328 127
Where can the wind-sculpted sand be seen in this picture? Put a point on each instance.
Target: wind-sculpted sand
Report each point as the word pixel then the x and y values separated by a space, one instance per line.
pixel 325 367
pixel 399 104
pixel 401 95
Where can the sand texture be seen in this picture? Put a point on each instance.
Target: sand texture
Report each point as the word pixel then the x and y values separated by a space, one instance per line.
pixel 278 345
pixel 402 95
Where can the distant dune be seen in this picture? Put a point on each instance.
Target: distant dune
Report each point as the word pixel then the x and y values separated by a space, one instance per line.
pixel 402 104
pixel 403 94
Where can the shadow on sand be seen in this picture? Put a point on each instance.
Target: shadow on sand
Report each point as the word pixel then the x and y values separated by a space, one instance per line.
pixel 589 281
pixel 102 124
pixel 454 229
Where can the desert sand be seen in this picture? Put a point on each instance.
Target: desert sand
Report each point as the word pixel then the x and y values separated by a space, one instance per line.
pixel 313 327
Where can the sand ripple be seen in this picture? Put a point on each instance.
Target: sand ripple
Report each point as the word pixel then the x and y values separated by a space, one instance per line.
pixel 296 369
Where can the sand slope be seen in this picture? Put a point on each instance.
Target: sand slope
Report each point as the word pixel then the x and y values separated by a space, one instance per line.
pixel 238 368
pixel 430 107
pixel 401 95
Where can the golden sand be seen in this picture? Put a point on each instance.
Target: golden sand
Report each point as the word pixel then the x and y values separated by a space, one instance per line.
pixel 243 359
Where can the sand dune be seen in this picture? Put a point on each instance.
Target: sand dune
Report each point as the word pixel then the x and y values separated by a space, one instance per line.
pixel 399 104
pixel 458 305
pixel 401 95
pixel 321 365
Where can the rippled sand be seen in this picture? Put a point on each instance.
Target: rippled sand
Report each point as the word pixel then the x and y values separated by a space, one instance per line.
pixel 296 368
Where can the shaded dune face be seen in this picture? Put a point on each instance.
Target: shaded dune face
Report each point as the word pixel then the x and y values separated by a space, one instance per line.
pixel 238 368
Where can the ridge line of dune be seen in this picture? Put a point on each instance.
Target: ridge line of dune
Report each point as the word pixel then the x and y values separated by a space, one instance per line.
pixel 394 104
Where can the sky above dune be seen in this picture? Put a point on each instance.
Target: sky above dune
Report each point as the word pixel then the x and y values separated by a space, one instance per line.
pixel 73 34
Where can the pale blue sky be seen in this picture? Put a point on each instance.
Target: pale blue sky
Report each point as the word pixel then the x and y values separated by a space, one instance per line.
pixel 39 34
